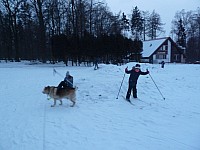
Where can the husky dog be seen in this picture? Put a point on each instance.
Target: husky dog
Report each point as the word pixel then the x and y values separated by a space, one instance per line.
pixel 67 93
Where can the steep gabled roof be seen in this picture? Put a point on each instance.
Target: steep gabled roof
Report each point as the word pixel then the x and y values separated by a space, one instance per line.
pixel 150 46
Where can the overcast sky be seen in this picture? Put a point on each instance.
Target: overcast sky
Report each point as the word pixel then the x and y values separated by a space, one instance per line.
pixel 166 9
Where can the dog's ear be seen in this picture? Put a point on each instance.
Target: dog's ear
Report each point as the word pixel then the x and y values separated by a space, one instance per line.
pixel 46 87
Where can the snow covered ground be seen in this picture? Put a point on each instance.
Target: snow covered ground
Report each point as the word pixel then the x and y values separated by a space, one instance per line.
pixel 99 120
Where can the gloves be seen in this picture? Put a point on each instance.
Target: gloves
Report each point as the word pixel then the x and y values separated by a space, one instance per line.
pixel 126 69
pixel 148 71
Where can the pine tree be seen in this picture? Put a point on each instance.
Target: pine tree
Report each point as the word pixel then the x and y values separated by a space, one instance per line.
pixel 181 34
pixel 137 23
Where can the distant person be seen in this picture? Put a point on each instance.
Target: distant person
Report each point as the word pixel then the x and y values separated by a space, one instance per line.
pixel 96 61
pixel 66 83
pixel 134 75
pixel 162 64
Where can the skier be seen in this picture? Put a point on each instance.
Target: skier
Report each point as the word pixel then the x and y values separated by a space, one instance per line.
pixel 66 83
pixel 96 61
pixel 134 75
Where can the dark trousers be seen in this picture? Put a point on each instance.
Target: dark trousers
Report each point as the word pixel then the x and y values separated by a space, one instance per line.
pixel 96 66
pixel 61 85
pixel 131 88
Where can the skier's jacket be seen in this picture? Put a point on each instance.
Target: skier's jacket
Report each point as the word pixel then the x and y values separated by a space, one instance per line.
pixel 134 75
pixel 69 81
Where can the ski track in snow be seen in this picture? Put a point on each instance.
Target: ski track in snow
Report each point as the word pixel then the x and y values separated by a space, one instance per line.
pixel 99 120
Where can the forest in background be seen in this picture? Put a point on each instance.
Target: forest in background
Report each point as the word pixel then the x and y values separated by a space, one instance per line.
pixel 82 30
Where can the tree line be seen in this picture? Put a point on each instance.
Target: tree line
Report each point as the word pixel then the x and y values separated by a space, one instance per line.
pixel 80 30
pixel 186 33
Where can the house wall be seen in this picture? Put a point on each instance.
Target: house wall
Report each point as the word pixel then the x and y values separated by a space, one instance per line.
pixel 167 52
pixel 175 55
pixel 183 59
pixel 145 60
pixel 163 53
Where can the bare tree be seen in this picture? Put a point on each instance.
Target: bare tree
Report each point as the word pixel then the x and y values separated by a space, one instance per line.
pixel 38 5
pixel 26 32
pixel 12 9
pixel 53 17
pixel 154 26
pixel 191 22
pixel 185 18
pixel 145 17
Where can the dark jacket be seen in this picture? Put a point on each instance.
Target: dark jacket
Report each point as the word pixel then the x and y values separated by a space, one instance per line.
pixel 69 81
pixel 134 75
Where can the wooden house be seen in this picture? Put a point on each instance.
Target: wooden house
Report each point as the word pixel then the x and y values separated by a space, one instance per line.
pixel 162 49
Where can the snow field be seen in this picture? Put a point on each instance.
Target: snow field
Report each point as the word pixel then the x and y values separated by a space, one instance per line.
pixel 99 120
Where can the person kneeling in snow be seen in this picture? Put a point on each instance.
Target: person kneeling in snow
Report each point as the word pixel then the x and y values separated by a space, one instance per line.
pixel 66 83
pixel 134 75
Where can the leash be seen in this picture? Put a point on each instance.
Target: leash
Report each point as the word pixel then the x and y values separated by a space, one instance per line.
pixel 44 128
pixel 54 72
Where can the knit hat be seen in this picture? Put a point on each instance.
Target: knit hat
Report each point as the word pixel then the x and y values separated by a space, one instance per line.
pixel 67 73
pixel 137 66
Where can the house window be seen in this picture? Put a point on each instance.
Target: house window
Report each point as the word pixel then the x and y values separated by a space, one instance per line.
pixel 164 47
pixel 164 56
pixel 176 57
pixel 159 56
